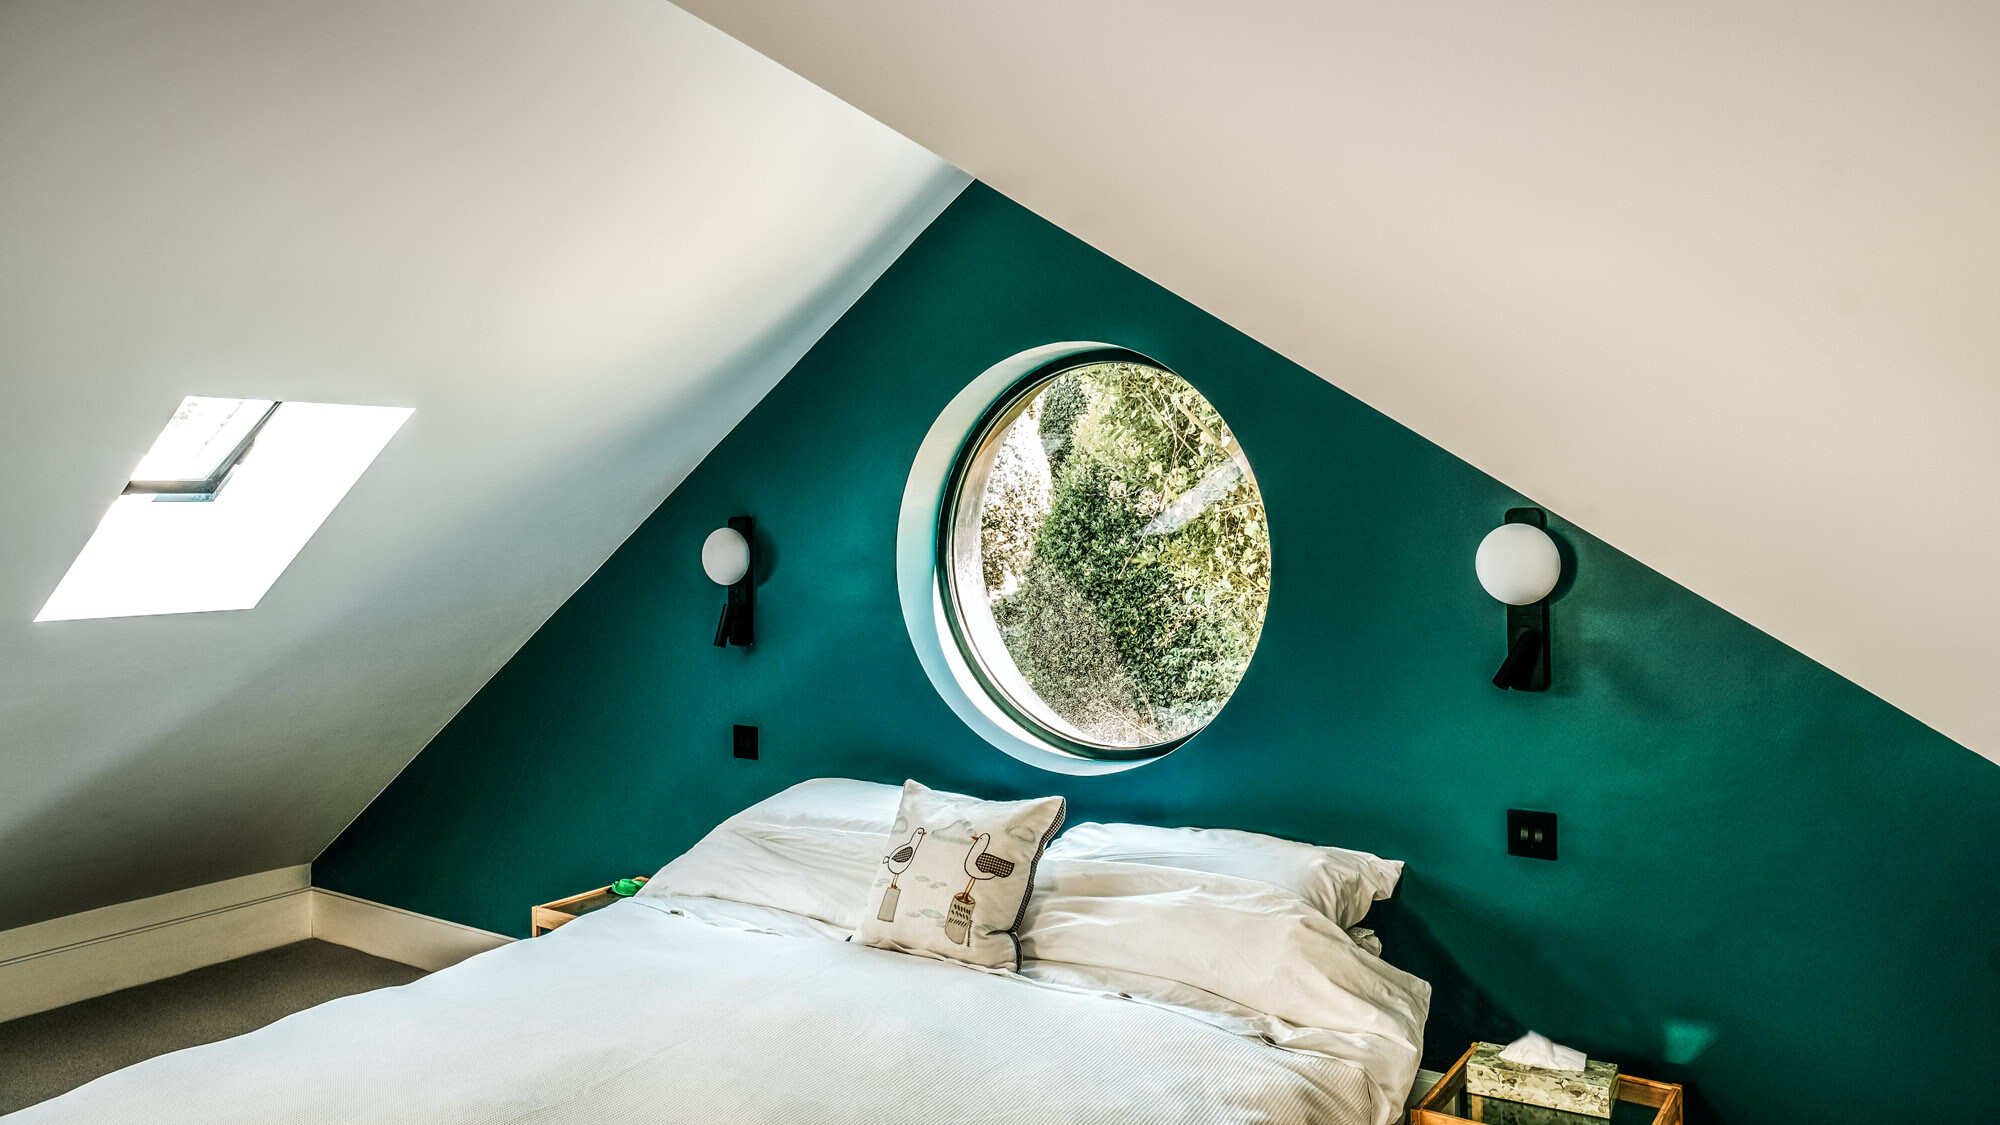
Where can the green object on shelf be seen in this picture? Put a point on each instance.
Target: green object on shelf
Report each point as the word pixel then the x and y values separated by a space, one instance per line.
pixel 626 888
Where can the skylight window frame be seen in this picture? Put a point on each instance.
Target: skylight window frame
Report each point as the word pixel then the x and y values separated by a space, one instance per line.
pixel 205 488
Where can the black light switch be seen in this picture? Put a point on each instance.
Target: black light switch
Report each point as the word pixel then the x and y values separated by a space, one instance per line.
pixel 1532 834
pixel 746 741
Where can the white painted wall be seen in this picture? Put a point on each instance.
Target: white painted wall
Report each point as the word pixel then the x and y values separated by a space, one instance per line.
pixel 580 239
pixel 1714 280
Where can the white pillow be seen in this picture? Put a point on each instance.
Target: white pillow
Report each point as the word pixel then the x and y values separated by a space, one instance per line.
pixel 1250 943
pixel 830 802
pixel 810 850
pixel 956 876
pixel 1341 884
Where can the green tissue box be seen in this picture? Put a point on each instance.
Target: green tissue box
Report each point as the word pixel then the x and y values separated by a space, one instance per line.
pixel 1589 1091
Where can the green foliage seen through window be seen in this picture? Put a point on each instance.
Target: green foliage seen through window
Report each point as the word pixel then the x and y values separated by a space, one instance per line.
pixel 1125 554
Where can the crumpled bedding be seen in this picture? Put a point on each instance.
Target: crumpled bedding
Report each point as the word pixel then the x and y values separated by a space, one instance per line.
pixel 639 1014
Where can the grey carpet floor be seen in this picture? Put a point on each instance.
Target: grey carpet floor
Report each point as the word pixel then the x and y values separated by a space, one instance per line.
pixel 58 1050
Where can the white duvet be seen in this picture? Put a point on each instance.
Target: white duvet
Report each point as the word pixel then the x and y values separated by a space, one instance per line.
pixel 637 1014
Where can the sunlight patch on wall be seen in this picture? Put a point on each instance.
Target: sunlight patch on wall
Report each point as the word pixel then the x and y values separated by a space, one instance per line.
pixel 268 476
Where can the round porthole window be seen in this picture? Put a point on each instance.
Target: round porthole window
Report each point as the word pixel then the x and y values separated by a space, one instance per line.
pixel 1101 558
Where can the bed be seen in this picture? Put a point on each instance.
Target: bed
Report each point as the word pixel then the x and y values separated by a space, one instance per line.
pixel 674 1007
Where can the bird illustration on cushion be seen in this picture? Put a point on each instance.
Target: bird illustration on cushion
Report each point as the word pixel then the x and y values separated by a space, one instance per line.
pixel 980 865
pixel 898 861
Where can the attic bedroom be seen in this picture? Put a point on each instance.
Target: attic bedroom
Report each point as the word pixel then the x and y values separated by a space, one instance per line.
pixel 904 562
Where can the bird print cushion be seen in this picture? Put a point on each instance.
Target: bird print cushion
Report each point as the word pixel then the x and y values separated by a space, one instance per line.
pixel 956 875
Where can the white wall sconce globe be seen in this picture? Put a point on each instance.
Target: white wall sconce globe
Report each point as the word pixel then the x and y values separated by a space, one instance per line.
pixel 725 555
pixel 1518 563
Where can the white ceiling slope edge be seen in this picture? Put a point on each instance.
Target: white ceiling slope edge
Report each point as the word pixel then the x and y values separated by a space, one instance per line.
pixel 580 239
pixel 1717 281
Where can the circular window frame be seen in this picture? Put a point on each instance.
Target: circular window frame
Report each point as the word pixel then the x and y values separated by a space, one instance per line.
pixel 930 512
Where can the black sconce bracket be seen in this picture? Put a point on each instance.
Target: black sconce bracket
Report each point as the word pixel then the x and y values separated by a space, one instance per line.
pixel 735 626
pixel 1527 665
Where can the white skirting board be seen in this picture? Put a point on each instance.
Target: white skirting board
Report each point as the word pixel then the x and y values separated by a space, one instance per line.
pixel 79 956
pixel 395 934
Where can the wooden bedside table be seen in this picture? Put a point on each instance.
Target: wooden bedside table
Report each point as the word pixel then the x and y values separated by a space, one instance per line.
pixel 1639 1102
pixel 549 915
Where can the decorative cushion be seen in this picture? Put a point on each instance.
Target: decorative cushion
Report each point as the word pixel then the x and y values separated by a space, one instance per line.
pixel 956 875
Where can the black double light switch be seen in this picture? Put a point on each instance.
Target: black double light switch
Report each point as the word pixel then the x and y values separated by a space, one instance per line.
pixel 1531 834
pixel 745 741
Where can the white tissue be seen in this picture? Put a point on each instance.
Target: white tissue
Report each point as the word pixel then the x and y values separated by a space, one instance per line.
pixel 1539 1051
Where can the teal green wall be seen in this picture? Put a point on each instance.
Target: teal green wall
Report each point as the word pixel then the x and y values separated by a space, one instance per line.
pixel 1773 885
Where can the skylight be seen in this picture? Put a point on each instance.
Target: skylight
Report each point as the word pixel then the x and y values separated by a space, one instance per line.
pixel 264 474
pixel 200 445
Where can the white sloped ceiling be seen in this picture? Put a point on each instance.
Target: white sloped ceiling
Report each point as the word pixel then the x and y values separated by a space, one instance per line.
pixel 580 239
pixel 1717 281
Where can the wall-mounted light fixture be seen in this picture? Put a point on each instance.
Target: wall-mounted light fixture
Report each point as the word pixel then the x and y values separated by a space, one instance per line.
pixel 1518 563
pixel 727 557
